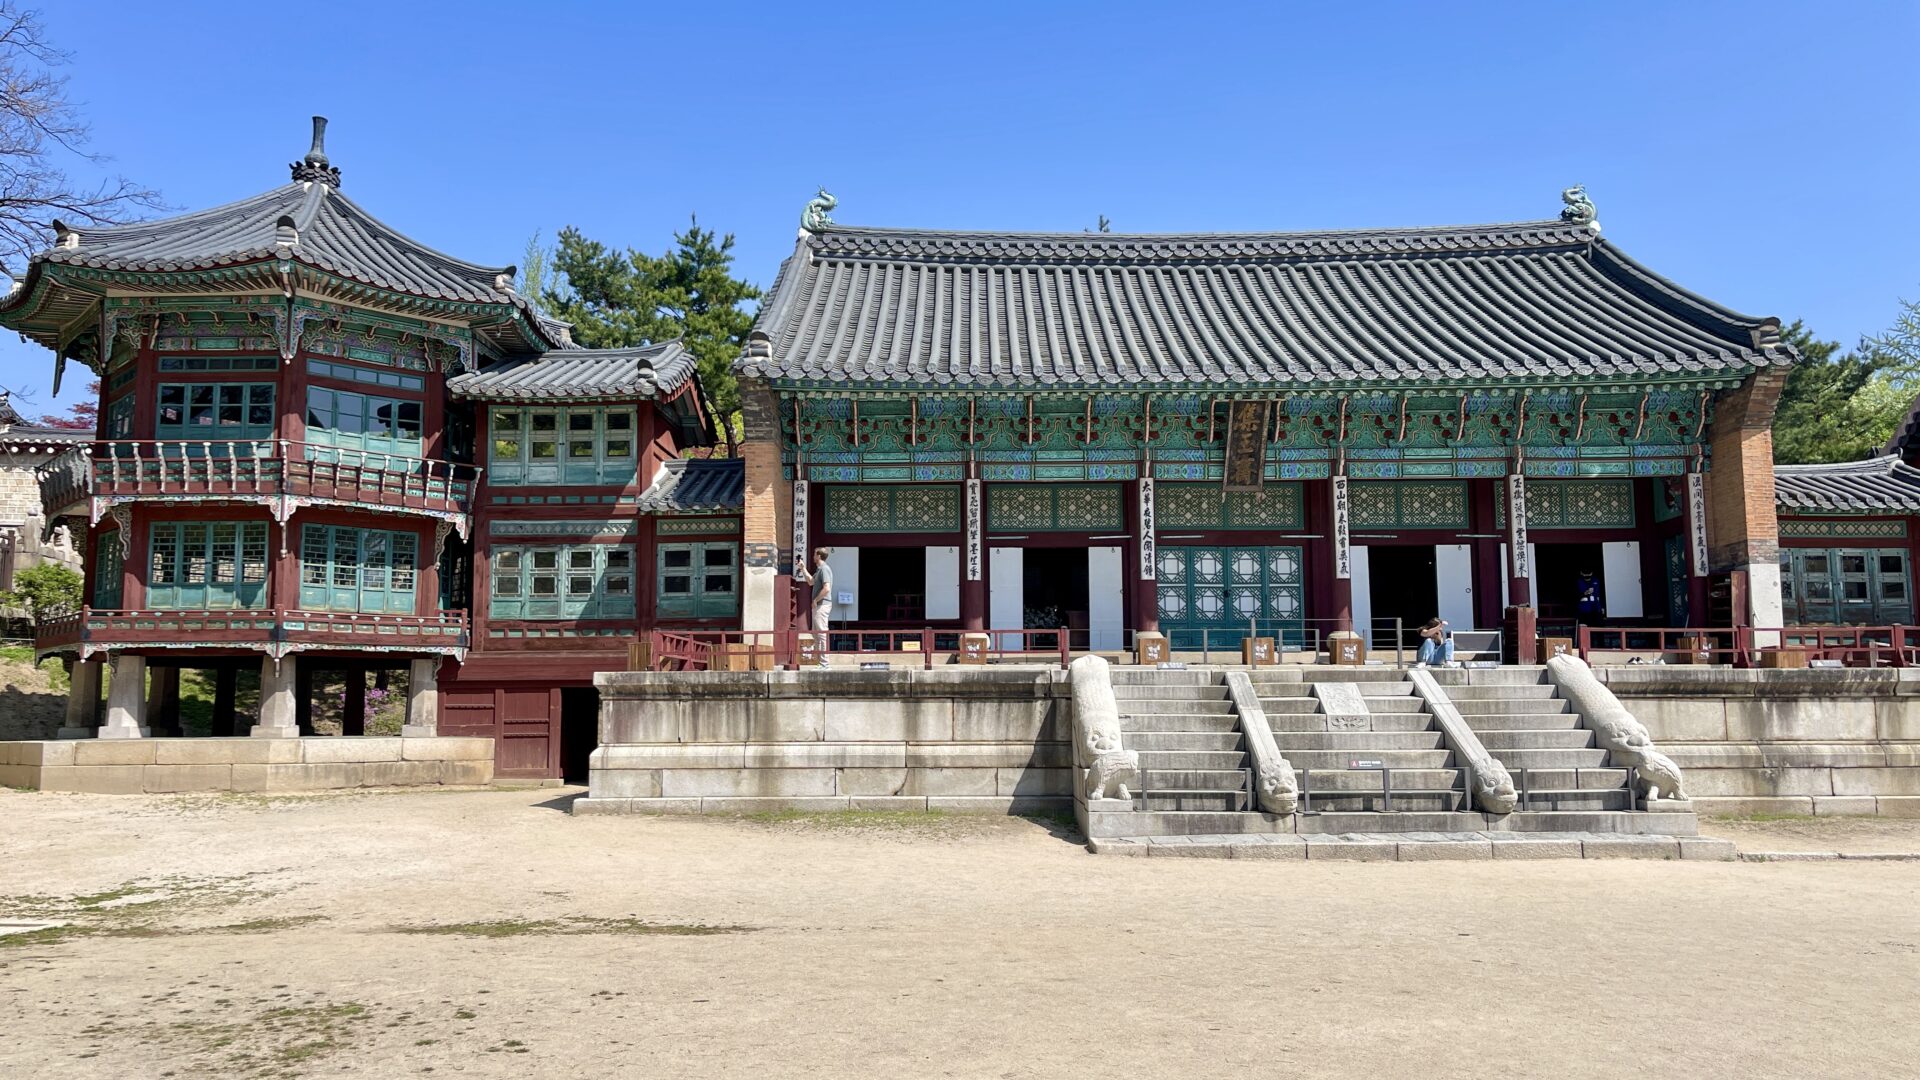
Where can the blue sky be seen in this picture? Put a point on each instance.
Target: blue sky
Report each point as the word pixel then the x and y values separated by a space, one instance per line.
pixel 1764 154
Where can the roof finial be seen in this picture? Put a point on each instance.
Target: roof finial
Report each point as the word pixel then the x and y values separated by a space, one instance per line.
pixel 814 218
pixel 1579 209
pixel 314 167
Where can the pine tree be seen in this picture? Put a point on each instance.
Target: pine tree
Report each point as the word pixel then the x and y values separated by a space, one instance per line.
pixel 615 299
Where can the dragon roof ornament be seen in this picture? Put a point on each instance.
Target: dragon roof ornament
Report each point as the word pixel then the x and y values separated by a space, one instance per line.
pixel 1579 209
pixel 814 218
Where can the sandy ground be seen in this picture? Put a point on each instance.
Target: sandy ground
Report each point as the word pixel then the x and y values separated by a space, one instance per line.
pixel 241 936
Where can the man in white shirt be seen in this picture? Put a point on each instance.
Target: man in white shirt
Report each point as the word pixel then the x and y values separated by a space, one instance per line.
pixel 822 578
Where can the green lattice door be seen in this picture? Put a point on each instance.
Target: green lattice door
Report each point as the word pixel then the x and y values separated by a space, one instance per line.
pixel 1220 590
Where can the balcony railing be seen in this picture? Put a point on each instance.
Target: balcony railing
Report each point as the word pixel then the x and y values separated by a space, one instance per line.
pixel 255 468
pixel 274 630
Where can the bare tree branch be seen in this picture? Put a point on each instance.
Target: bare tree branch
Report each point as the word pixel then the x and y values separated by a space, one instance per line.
pixel 38 126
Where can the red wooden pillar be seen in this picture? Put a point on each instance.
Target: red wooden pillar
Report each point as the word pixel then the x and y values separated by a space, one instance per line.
pixel 283 579
pixel 433 418
pixel 426 594
pixel 133 568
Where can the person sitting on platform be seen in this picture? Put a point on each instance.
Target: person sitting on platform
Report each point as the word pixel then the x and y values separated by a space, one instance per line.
pixel 1436 643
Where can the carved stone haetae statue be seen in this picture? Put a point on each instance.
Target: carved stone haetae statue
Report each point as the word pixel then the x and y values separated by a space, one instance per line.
pixel 814 218
pixel 1107 766
pixel 1275 785
pixel 1625 738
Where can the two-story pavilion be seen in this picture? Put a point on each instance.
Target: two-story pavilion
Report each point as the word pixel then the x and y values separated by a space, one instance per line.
pixel 324 445
pixel 1299 431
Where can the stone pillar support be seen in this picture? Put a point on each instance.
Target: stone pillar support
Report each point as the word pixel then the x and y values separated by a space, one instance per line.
pixel 423 700
pixel 127 700
pixel 277 679
pixel 83 701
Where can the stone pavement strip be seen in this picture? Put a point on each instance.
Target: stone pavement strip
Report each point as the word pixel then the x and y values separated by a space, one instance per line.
pixel 1422 847
pixel 1830 856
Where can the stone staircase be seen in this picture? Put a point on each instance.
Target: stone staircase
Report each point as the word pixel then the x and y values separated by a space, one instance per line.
pixel 1522 721
pixel 1188 737
pixel 1399 734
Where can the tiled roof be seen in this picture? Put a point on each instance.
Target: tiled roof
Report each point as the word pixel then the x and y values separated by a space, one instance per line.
pixel 1530 301
pixel 641 371
pixel 46 439
pixel 696 485
pixel 1878 483
pixel 310 223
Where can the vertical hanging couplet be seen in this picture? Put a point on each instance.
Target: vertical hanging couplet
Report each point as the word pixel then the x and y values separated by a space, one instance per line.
pixel 1148 556
pixel 1697 521
pixel 973 529
pixel 800 493
pixel 1519 565
pixel 1342 547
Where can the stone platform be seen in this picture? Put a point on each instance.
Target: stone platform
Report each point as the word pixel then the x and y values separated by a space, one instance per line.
pixel 313 763
pixel 1417 847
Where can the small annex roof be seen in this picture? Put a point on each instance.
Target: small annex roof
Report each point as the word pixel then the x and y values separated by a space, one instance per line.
pixel 42 439
pixel 697 486
pixel 1883 483
pixel 1528 302
pixel 640 372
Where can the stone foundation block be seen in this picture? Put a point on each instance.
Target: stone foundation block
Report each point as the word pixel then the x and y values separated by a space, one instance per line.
pixel 1272 847
pixel 754 805
pixel 1798 718
pixel 1535 849
pixel 1899 806
pixel 1445 851
pixel 1682 719
pixel 1631 847
pixel 747 783
pixel 165 778
pixel 670 756
pixel 590 806
pixel 993 755
pixel 113 751
pixel 1745 806
pixel 1845 806
pixel 1898 719
pixel 467 773
pixel 37 753
pixel 446 748
pixel 1904 781
pixel 959 782
pixel 94 779
pixel 1007 721
pixel 1038 804
pixel 353 749
pixel 1034 782
pixel 19 776
pixel 877 783
pixel 787 721
pixel 826 755
pixel 624 784
pixel 889 721
pixel 1701 848
pixel 1322 848
pixel 1751 783
pixel 888 802
pixel 239 751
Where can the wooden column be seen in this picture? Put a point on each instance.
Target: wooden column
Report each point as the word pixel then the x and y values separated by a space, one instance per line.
pixel 163 701
pixel 353 710
pixel 303 698
pixel 225 683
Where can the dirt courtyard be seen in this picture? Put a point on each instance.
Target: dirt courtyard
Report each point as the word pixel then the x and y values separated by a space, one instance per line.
pixel 490 934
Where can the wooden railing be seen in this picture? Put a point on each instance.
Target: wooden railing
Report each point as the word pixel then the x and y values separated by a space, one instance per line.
pixel 251 627
pixel 761 650
pixel 201 468
pixel 1746 646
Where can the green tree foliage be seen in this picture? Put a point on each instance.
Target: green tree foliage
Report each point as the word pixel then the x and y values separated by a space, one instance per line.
pixel 618 298
pixel 1836 406
pixel 47 591
pixel 536 273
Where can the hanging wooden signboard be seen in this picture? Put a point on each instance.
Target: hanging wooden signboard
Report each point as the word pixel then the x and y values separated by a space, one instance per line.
pixel 1246 451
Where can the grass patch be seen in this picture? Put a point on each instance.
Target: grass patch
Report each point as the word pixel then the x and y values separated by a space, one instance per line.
pixel 58 935
pixel 571 926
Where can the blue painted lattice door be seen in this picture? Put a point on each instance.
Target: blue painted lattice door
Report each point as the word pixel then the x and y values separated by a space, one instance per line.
pixel 1221 589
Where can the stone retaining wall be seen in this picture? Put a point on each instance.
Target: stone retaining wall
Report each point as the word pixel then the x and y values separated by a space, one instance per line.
pixel 137 766
pixel 969 739
pixel 1813 741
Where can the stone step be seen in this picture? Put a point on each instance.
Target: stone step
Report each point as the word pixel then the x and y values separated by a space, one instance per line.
pixel 1336 673
pixel 1359 741
pixel 1194 780
pixel 1495 706
pixel 1289 705
pixel 1402 721
pixel 1630 822
pixel 1392 759
pixel 1478 691
pixel 1535 739
pixel 1523 721
pixel 1214 801
pixel 1149 706
pixel 1600 779
pixel 1181 760
pixel 1368 780
pixel 1507 675
pixel 1182 740
pixel 1576 799
pixel 1395 704
pixel 1403 801
pixel 1350 822
pixel 1146 691
pixel 1199 823
pixel 1180 722
pixel 1125 675
pixel 1552 759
